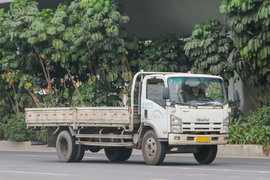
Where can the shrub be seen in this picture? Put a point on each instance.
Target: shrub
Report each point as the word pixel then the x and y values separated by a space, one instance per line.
pixel 37 135
pixel 254 129
pixel 16 128
pixel 260 117
pixel 2 133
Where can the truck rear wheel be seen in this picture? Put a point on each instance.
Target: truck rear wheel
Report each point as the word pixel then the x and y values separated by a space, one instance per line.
pixel 65 146
pixel 80 153
pixel 206 154
pixel 125 153
pixel 118 153
pixel 153 151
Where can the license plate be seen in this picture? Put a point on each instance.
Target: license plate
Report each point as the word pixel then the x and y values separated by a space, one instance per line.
pixel 203 139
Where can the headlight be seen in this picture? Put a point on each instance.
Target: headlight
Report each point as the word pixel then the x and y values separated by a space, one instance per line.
pixel 226 121
pixel 175 121
pixel 176 124
pixel 176 129
pixel 225 129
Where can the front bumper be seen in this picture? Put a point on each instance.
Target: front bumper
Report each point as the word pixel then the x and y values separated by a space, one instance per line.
pixel 197 139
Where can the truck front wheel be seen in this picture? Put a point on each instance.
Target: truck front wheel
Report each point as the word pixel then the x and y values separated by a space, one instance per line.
pixel 206 154
pixel 65 146
pixel 118 153
pixel 153 151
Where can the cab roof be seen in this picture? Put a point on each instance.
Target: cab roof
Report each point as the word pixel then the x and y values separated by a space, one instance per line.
pixel 171 74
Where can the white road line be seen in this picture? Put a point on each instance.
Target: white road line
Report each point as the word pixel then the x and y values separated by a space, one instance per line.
pixel 221 170
pixel 35 173
pixel 22 155
pixel 200 175
pixel 35 156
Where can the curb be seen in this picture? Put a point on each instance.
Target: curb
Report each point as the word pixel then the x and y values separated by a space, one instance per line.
pixel 24 146
pixel 244 150
pixel 229 150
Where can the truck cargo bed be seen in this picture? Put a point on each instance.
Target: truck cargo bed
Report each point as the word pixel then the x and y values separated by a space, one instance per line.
pixel 78 116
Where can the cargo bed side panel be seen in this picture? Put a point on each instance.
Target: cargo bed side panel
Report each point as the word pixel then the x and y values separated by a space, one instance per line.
pixel 82 116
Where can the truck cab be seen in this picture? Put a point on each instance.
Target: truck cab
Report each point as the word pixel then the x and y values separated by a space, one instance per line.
pixel 187 112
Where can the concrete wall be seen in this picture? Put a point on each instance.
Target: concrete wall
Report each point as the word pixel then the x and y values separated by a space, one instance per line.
pixel 246 93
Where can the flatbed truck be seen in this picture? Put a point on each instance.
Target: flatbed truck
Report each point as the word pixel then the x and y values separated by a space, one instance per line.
pixel 166 118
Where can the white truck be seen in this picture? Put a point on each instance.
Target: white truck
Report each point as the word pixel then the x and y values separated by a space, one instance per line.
pixel 173 113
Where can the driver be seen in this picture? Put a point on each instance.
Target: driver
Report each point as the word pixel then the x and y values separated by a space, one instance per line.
pixel 195 94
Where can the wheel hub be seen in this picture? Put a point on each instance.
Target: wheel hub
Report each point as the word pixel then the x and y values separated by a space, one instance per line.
pixel 151 147
pixel 64 147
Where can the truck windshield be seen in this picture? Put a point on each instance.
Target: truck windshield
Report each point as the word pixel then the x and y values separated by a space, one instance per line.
pixel 197 91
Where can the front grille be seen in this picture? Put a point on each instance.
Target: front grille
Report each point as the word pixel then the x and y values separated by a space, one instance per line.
pixel 201 126
pixel 202 123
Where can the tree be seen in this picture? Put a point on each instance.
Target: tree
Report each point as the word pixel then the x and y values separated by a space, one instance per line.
pixel 56 50
pixel 163 54
pixel 208 49
pixel 249 22
pixel 15 52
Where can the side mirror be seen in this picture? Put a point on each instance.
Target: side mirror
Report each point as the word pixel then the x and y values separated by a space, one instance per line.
pixel 166 93
pixel 236 97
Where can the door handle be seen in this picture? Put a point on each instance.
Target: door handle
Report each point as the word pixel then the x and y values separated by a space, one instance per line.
pixel 145 113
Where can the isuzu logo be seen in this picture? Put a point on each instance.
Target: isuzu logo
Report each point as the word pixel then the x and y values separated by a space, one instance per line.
pixel 202 119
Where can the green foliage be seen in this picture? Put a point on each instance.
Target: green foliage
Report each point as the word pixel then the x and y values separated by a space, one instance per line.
pixel 255 129
pixel 56 50
pixel 260 117
pixel 2 130
pixel 249 21
pixel 98 92
pixel 214 90
pixel 163 54
pixel 43 48
pixel 208 49
pixel 37 135
pixel 246 134
pixel 15 129
pixel 93 39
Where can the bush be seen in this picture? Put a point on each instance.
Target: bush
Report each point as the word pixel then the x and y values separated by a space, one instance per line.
pixel 260 117
pixel 254 129
pixel 2 132
pixel 37 135
pixel 16 128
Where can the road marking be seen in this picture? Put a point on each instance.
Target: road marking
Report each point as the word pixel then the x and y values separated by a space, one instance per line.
pixel 34 156
pixel 53 156
pixel 35 173
pixel 200 175
pixel 222 170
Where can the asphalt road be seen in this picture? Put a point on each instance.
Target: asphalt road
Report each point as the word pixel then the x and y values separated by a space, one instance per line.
pixel 45 166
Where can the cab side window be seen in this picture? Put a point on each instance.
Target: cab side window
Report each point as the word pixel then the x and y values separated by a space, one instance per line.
pixel 154 91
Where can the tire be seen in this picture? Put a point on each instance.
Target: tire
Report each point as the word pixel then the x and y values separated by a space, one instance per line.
pixel 65 147
pixel 94 149
pixel 80 153
pixel 206 154
pixel 118 153
pixel 153 151
pixel 125 153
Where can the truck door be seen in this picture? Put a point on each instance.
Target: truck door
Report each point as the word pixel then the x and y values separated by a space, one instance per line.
pixel 153 106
